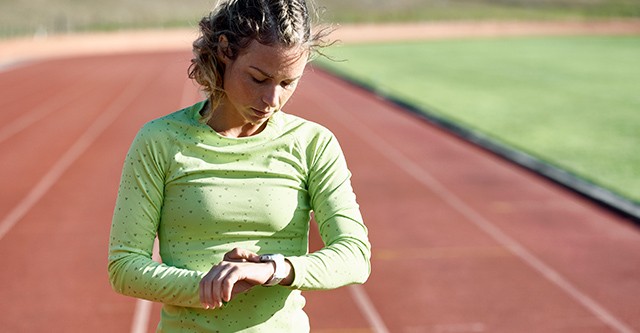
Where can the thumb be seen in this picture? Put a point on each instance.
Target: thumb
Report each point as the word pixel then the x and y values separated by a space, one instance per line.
pixel 239 254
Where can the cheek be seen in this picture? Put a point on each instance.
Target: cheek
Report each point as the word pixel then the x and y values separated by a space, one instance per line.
pixel 246 90
pixel 286 94
pixel 237 89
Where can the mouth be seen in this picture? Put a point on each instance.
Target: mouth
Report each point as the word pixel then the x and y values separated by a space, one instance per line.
pixel 261 113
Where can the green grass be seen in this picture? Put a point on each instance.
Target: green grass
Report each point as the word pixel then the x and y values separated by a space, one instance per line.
pixel 420 10
pixel 29 17
pixel 572 101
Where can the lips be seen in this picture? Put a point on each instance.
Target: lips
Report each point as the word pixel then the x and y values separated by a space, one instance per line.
pixel 261 113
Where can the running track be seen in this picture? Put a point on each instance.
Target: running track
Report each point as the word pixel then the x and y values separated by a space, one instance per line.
pixel 463 241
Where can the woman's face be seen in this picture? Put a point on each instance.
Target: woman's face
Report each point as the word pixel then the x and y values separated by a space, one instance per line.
pixel 261 80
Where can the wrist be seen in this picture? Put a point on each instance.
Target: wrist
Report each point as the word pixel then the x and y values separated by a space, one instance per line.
pixel 287 281
pixel 280 268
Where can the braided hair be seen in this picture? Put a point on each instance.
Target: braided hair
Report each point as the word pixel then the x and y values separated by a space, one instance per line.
pixel 269 22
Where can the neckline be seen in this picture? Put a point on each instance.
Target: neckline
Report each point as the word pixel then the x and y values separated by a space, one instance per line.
pixel 266 133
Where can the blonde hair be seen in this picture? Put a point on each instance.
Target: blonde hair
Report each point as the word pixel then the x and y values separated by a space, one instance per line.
pixel 269 22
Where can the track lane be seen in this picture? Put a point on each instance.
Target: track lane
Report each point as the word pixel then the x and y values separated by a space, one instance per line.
pixel 58 276
pixel 433 270
pixel 391 129
pixel 32 85
pixel 37 153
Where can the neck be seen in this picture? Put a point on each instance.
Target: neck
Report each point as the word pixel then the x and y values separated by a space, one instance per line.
pixel 225 124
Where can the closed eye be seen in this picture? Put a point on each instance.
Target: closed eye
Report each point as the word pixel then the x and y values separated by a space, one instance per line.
pixel 289 84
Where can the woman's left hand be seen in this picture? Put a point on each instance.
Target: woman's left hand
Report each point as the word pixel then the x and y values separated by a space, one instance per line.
pixel 238 272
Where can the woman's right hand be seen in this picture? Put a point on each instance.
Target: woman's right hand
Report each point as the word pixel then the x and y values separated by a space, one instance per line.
pixel 239 271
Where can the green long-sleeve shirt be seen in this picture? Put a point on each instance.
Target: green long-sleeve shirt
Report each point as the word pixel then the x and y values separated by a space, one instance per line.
pixel 203 194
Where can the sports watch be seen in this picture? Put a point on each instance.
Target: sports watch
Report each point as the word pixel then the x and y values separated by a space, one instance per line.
pixel 280 272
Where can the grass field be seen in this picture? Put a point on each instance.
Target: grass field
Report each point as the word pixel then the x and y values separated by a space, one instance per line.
pixel 572 101
pixel 62 16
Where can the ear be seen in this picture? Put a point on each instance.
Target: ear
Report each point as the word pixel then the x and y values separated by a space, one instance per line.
pixel 223 49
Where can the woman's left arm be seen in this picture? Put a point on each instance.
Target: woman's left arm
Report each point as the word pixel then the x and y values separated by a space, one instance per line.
pixel 345 259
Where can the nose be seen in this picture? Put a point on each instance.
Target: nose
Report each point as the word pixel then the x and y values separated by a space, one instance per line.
pixel 271 96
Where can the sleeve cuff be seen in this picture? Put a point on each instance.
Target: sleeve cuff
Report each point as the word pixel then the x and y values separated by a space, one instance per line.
pixel 299 271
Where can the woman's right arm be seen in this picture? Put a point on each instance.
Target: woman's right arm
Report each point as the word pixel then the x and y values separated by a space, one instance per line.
pixel 132 271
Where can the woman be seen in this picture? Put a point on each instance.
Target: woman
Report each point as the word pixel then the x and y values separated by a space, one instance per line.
pixel 228 185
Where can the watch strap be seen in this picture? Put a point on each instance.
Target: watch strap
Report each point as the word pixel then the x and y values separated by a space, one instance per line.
pixel 280 269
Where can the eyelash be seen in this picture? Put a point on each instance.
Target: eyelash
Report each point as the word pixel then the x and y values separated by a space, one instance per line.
pixel 284 84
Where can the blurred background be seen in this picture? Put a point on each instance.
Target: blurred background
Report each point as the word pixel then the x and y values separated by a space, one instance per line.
pixel 40 17
pixel 552 82
pixel 586 125
pixel 555 81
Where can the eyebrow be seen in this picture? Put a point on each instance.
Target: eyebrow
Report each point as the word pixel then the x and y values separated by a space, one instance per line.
pixel 271 76
pixel 262 72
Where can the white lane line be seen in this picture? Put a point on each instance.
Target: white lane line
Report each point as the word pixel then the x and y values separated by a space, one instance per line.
pixel 358 293
pixel 101 123
pixel 368 310
pixel 12 64
pixel 418 173
pixel 41 111
pixel 141 316
pixel 142 312
pixel 189 94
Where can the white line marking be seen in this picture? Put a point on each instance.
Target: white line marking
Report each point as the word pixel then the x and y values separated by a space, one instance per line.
pixel 13 64
pixel 358 293
pixel 366 307
pixel 70 156
pixel 401 160
pixel 142 312
pixel 141 316
pixel 41 111
pixel 189 94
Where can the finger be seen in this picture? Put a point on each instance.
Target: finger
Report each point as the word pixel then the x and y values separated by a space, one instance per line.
pixel 229 282
pixel 213 298
pixel 206 287
pixel 237 254
pixel 253 257
pixel 208 292
pixel 201 294
pixel 217 284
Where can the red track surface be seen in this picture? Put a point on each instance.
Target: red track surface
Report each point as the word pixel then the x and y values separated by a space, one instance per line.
pixel 463 241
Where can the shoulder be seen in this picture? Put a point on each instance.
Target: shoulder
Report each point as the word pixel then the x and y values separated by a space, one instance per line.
pixel 168 126
pixel 161 138
pixel 304 129
pixel 314 141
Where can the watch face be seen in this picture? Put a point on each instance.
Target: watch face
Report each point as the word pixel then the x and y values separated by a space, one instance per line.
pixel 271 257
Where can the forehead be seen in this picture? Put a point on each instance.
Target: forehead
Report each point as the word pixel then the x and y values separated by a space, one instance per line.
pixel 278 61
